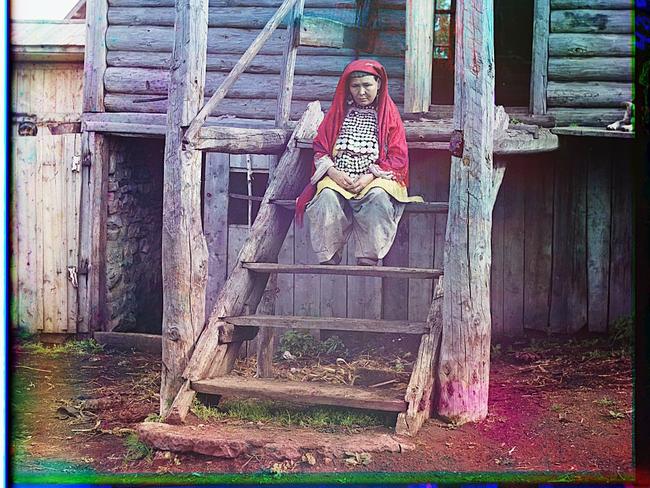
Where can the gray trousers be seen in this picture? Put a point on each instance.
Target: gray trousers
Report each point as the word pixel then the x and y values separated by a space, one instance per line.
pixel 372 219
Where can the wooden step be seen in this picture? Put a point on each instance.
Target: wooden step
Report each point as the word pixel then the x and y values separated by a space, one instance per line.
pixel 309 393
pixel 413 207
pixel 329 323
pixel 378 271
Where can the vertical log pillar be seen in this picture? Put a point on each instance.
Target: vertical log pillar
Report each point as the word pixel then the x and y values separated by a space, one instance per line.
pixel 419 55
pixel 465 348
pixel 184 249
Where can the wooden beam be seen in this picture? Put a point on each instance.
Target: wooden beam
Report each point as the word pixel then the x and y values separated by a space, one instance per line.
pixel 418 55
pixel 463 376
pixel 92 231
pixel 151 343
pixel 320 32
pixel 306 393
pixel 184 249
pixel 283 111
pixel 539 65
pixel 412 207
pixel 95 55
pixel 572 44
pixel 239 68
pixel 593 21
pixel 235 140
pixel 242 291
pixel 348 270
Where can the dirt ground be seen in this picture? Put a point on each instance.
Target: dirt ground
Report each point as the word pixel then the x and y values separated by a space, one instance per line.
pixel 556 409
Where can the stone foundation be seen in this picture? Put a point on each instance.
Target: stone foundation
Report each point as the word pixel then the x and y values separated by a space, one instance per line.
pixel 134 227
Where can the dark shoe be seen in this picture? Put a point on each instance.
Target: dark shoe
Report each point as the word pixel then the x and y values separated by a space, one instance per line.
pixel 367 262
pixel 334 260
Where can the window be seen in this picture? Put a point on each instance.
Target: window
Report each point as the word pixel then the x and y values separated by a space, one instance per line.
pixel 442 82
pixel 443 30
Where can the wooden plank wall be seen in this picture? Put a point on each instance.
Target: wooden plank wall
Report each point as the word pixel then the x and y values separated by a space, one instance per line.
pixel 140 36
pixel 46 189
pixel 561 247
pixel 590 64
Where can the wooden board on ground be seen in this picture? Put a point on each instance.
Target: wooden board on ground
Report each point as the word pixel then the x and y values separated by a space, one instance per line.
pixel 299 392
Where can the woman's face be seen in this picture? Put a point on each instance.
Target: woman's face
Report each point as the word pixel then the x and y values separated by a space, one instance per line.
pixel 364 90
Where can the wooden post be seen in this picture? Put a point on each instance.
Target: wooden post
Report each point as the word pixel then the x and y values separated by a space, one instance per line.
pixel 213 356
pixel 539 68
pixel 95 55
pixel 184 249
pixel 465 348
pixel 419 55
pixel 92 231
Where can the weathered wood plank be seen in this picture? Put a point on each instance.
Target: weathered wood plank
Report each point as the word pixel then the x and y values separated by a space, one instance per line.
pixel 590 69
pixel 599 180
pixel 267 235
pixel 306 294
pixel 568 311
pixel 593 21
pixel 413 207
pixel 592 4
pixel 215 223
pixel 418 56
pixel 363 292
pixel 95 55
pixel 621 250
pixel 538 243
pixel 497 295
pixel 235 140
pixel 598 132
pixel 151 343
pixel 284 300
pixel 419 394
pixel 394 298
pixel 328 65
pixel 245 18
pixel 299 392
pixel 92 243
pixel 588 94
pixel 593 117
pixel 609 45
pixel 441 168
pixel 513 250
pixel 332 323
pixel 225 40
pixel 184 249
pixel 421 240
pixel 538 75
pixel 287 70
pixel 394 4
pixel 349 270
pixel 156 82
pixel 72 188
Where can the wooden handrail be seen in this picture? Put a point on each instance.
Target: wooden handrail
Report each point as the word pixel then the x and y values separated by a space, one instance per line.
pixel 243 63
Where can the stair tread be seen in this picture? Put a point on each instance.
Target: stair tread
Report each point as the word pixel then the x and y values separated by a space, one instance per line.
pixel 304 392
pixel 330 323
pixel 411 207
pixel 349 270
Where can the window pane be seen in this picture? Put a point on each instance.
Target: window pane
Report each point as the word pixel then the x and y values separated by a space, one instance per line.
pixel 440 52
pixel 441 30
pixel 443 4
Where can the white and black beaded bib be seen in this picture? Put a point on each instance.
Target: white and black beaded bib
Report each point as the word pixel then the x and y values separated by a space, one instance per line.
pixel 356 147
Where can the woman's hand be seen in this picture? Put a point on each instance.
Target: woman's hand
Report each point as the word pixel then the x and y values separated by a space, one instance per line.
pixel 361 182
pixel 341 178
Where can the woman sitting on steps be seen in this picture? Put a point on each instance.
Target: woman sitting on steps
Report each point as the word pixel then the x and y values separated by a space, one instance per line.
pixel 360 173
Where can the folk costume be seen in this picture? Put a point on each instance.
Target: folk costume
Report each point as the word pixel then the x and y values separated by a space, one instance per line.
pixel 357 140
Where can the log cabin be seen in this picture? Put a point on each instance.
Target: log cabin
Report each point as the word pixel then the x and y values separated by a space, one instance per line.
pixel 561 247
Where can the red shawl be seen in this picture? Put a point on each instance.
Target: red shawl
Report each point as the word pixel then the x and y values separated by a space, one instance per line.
pixel 393 152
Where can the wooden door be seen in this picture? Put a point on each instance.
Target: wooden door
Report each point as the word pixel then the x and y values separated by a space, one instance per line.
pixel 45 198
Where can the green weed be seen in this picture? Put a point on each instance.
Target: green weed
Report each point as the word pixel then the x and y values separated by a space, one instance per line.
pixel 204 412
pixel 136 449
pixel 556 407
pixel 153 417
pixel 302 344
pixel 82 347
pixel 605 402
pixel 622 334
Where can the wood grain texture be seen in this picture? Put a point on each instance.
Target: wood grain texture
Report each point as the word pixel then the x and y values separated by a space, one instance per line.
pixel 591 117
pixel 299 392
pixel 571 44
pixel 539 64
pixel 592 21
pixel 538 243
pixel 287 70
pixel 597 68
pixel 347 270
pixel 184 250
pixel 95 55
pixel 392 4
pixel 588 94
pixel 592 4
pixel 418 56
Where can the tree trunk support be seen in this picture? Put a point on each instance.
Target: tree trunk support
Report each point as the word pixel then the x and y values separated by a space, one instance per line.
pixel 463 375
pixel 184 249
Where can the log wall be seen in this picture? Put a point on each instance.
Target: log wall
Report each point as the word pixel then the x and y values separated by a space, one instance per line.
pixel 590 64
pixel 139 43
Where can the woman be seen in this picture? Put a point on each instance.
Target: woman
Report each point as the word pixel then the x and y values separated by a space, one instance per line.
pixel 360 171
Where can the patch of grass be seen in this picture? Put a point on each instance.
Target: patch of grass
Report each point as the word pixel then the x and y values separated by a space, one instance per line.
pixel 82 347
pixel 556 407
pixel 302 344
pixel 622 334
pixel 269 412
pixel 153 417
pixel 136 449
pixel 605 402
pixel 615 415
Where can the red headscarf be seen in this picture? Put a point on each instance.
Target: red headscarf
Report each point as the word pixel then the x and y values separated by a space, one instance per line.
pixel 393 151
